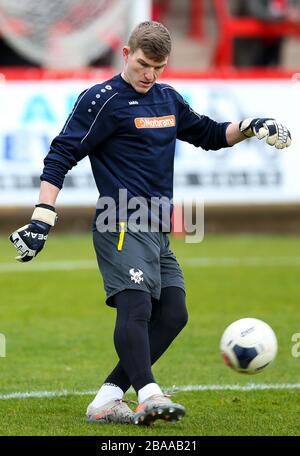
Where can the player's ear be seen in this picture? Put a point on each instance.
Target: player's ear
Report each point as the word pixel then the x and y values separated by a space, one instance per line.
pixel 126 52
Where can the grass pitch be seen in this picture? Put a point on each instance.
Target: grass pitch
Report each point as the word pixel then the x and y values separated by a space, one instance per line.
pixel 59 338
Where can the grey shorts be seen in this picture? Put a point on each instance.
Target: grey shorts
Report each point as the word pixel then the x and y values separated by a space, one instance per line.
pixel 139 261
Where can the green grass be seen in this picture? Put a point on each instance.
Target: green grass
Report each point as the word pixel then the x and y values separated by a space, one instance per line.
pixel 59 337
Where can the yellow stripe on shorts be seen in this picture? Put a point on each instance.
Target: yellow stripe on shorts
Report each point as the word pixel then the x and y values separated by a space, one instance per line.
pixel 121 236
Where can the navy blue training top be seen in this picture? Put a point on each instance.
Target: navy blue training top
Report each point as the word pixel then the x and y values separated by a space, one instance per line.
pixel 130 138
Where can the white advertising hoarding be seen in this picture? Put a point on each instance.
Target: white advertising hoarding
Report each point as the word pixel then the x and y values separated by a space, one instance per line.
pixel 251 171
pixel 32 113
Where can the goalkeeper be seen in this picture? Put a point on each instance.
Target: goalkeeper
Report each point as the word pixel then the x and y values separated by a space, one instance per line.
pixel 128 127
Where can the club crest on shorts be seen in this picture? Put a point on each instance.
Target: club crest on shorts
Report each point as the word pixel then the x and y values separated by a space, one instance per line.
pixel 136 276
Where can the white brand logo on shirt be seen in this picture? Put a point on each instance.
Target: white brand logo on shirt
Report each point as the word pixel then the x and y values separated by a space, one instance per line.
pixel 136 276
pixel 133 102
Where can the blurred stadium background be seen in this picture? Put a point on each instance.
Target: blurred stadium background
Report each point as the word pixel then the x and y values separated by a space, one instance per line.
pixel 50 50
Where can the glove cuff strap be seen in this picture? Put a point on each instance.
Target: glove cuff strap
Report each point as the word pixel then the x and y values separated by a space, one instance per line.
pixel 246 136
pixel 44 215
pixel 245 128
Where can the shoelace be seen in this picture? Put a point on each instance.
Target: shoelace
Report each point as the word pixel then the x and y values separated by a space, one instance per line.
pixel 129 401
pixel 169 393
pixel 127 414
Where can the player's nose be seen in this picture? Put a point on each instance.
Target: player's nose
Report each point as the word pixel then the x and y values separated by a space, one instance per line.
pixel 149 75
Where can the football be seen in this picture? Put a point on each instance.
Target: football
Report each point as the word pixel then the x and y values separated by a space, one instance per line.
pixel 248 345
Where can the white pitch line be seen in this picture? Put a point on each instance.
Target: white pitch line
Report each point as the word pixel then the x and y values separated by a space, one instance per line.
pixel 40 266
pixel 174 388
pixel 42 394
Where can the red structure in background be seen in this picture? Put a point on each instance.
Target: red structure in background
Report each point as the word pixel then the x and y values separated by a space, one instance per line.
pixel 196 22
pixel 231 27
pixel 161 8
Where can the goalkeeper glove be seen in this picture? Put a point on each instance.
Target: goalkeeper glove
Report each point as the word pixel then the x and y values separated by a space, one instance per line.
pixel 275 133
pixel 30 239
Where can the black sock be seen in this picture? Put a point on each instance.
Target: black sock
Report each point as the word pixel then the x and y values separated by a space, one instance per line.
pixel 169 316
pixel 131 336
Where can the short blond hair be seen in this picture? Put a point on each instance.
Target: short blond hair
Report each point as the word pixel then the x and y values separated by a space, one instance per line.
pixel 153 38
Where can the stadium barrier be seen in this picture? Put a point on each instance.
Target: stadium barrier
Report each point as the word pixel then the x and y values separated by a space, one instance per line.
pixel 260 219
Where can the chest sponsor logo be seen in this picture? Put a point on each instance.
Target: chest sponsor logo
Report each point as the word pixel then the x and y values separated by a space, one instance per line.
pixel 155 122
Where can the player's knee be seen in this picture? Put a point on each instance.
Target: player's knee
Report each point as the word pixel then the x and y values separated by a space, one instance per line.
pixel 181 319
pixel 176 322
pixel 141 307
pixel 174 311
pixel 177 319
pixel 141 312
pixel 134 305
pixel 185 318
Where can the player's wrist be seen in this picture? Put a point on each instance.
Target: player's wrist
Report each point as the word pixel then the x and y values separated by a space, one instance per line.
pixel 46 206
pixel 44 213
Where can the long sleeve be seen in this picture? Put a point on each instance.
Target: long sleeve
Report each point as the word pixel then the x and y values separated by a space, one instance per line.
pixel 89 124
pixel 200 130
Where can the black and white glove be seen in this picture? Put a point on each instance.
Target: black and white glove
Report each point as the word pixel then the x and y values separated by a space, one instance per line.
pixel 30 239
pixel 275 133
